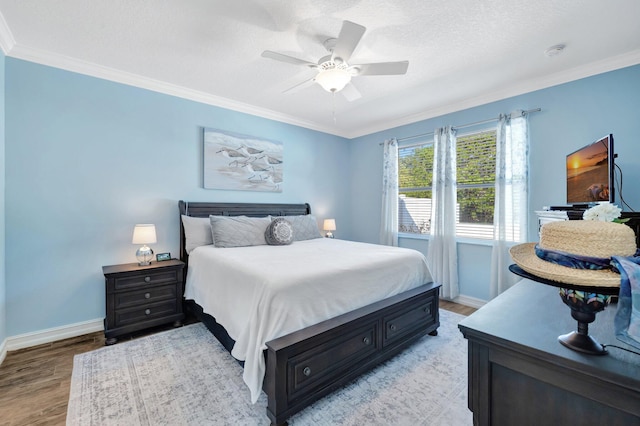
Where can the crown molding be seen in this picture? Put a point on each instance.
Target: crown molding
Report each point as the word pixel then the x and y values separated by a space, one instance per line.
pixel 94 70
pixel 8 45
pixel 528 86
pixel 7 42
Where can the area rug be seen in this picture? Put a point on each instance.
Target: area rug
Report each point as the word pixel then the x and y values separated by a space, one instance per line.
pixel 186 377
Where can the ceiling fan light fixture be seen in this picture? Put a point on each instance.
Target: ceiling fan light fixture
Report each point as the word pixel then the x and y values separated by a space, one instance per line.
pixel 334 79
pixel 333 70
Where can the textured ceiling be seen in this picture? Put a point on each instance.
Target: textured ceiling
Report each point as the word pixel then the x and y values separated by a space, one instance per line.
pixel 461 53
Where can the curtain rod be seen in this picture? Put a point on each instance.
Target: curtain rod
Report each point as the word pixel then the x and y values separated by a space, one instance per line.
pixel 462 126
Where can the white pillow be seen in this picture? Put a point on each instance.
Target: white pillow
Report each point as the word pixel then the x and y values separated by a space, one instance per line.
pixel 239 231
pixel 197 232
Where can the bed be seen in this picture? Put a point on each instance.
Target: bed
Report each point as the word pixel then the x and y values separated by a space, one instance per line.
pixel 296 351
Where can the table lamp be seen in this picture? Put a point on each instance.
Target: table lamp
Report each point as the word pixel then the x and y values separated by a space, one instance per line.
pixel 329 225
pixel 144 234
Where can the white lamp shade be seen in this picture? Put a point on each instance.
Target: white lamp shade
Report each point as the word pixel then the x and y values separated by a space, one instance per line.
pixel 329 225
pixel 144 234
pixel 333 80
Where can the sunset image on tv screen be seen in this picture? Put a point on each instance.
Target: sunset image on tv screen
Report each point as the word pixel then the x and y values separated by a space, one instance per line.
pixel 588 174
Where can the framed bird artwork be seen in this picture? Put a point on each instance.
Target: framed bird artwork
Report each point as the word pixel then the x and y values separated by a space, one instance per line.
pixel 240 162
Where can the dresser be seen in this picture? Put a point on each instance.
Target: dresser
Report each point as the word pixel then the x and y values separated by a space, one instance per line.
pixel 519 374
pixel 140 297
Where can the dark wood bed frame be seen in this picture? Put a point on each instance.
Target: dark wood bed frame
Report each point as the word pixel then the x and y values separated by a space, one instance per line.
pixel 308 364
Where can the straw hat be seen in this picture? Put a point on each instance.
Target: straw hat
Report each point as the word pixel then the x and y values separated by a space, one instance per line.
pixel 579 239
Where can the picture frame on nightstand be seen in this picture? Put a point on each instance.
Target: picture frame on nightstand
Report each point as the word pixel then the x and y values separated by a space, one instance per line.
pixel 161 257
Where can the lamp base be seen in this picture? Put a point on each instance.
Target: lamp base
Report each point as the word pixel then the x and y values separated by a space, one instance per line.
pixel 329 235
pixel 580 340
pixel 582 343
pixel 144 255
pixel 584 305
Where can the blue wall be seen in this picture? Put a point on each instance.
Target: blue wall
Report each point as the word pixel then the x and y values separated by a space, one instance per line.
pixel 3 316
pixel 573 114
pixel 87 159
pixel 78 150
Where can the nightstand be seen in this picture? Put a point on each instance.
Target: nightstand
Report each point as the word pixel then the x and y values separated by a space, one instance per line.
pixel 140 297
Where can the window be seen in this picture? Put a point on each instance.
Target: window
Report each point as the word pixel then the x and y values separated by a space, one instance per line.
pixel 476 165
pixel 415 177
pixel 476 178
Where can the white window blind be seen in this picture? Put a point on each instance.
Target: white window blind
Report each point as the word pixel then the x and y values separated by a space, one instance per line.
pixel 476 175
pixel 475 180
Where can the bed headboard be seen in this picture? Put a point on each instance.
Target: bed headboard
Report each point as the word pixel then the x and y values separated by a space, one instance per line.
pixel 205 209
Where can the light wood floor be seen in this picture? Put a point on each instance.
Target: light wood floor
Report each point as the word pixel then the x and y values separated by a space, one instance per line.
pixel 34 382
pixel 457 308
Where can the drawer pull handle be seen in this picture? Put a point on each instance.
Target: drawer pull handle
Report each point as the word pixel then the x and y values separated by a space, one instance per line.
pixel 427 310
pixel 147 279
pixel 147 295
pixel 392 327
pixel 366 341
pixel 147 312
pixel 306 371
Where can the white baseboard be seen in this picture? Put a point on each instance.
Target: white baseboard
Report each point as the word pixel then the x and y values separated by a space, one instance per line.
pixel 35 338
pixel 470 301
pixel 52 334
pixel 3 350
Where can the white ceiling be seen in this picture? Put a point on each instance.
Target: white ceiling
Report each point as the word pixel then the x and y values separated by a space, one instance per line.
pixel 461 53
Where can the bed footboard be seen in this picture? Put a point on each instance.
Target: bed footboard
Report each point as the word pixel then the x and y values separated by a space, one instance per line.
pixel 308 364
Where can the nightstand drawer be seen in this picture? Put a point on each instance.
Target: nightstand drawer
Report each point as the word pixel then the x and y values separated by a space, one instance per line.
pixel 146 312
pixel 148 295
pixel 146 278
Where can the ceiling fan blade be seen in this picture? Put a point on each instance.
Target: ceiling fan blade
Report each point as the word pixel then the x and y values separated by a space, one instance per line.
pixel 286 58
pixel 383 68
pixel 300 86
pixel 349 37
pixel 350 92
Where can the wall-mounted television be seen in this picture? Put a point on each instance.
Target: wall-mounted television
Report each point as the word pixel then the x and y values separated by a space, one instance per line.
pixel 590 171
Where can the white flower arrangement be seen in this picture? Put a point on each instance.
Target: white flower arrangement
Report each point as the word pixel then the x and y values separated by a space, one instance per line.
pixel 604 212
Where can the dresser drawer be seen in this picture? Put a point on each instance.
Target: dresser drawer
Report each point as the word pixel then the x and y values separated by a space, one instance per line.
pixel 151 277
pixel 321 365
pixel 145 312
pixel 406 321
pixel 147 295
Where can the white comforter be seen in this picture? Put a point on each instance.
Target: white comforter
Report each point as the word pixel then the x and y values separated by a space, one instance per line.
pixel 260 293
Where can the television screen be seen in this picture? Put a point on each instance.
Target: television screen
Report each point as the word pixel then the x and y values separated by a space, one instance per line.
pixel 590 173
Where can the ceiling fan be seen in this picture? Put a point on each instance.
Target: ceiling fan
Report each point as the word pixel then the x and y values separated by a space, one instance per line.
pixel 334 70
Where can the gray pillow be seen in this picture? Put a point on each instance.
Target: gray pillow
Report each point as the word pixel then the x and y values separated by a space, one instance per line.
pixel 305 227
pixel 197 232
pixel 279 232
pixel 238 231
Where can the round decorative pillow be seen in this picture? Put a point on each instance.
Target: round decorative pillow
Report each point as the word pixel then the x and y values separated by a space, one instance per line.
pixel 279 232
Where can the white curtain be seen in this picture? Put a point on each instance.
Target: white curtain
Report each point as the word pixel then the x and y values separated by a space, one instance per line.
pixel 511 198
pixel 442 256
pixel 389 216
